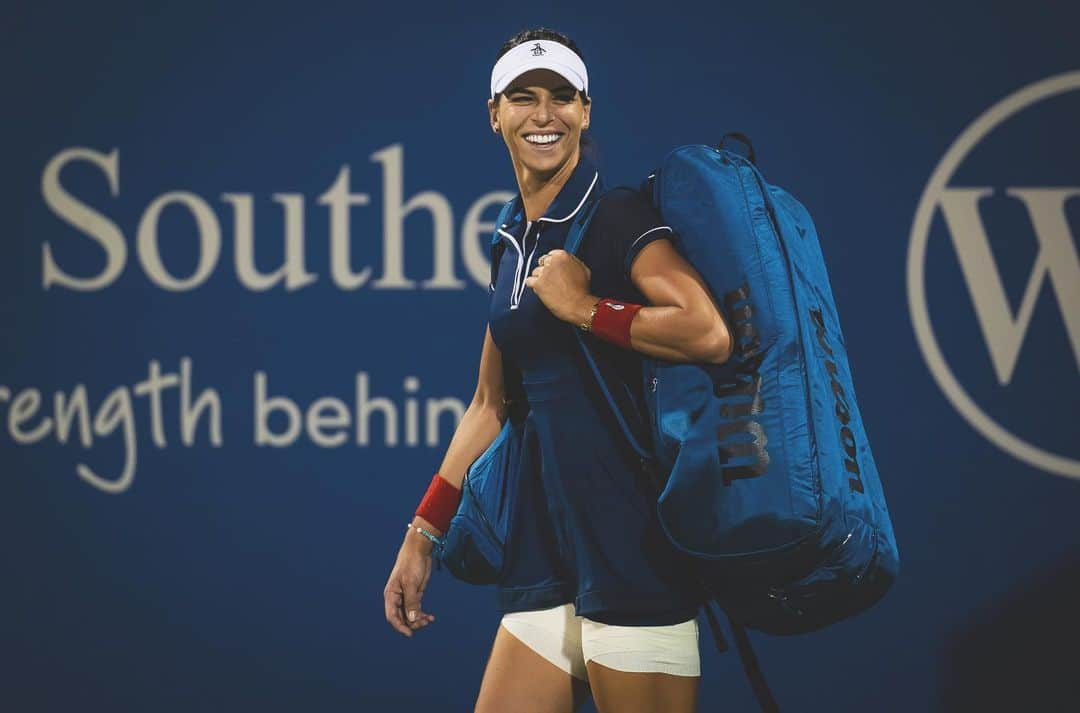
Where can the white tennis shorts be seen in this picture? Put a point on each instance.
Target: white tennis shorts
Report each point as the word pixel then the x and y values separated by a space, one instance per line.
pixel 568 641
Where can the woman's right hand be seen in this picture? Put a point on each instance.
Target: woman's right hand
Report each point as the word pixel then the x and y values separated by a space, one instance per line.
pixel 405 588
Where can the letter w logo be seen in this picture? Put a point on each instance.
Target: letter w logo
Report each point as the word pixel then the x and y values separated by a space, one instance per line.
pixel 1004 332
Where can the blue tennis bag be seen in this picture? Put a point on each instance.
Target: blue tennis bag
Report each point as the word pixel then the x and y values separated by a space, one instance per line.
pixel 764 468
pixel 472 548
pixel 473 545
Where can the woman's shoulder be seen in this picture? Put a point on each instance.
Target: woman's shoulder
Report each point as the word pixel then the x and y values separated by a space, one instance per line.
pixel 623 198
pixel 627 212
pixel 625 222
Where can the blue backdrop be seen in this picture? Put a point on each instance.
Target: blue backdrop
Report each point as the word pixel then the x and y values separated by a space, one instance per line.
pixel 243 293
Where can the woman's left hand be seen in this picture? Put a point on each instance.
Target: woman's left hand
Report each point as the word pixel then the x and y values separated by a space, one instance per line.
pixel 561 281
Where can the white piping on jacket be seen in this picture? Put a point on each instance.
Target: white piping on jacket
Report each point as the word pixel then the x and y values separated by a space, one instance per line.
pixel 518 289
pixel 574 212
pixel 522 270
pixel 650 230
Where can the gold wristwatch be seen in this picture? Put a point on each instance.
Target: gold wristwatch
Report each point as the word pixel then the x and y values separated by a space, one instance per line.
pixel 586 326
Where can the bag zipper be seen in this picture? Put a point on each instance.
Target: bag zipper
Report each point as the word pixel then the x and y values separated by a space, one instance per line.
pixel 774 223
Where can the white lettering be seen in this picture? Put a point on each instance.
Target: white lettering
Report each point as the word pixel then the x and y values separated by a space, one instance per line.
pixel 292 269
pixel 209 233
pixel 264 407
pixel 394 214
pixel 22 410
pixel 154 384
pixel 189 415
pixel 66 409
pixel 364 407
pixel 340 199
pixel 435 408
pixel 292 273
pixel 116 409
pixel 84 219
pixel 1004 333
pixel 317 420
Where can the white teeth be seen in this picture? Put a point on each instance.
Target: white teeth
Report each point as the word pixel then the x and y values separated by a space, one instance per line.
pixel 542 138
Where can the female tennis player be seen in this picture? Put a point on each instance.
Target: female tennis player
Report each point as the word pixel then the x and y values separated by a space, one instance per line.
pixel 594 598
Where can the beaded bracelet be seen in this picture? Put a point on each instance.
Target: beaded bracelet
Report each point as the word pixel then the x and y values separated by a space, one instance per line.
pixel 435 539
pixel 438 542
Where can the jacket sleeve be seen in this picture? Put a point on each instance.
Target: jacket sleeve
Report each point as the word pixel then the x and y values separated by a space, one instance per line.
pixel 632 223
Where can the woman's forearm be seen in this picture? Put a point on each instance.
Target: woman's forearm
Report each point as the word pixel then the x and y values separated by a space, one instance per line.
pixel 478 428
pixel 680 334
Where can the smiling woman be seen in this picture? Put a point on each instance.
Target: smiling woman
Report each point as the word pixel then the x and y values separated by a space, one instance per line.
pixel 594 596
pixel 543 115
pixel 545 110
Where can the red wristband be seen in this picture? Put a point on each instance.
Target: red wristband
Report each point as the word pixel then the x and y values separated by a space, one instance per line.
pixel 612 321
pixel 440 503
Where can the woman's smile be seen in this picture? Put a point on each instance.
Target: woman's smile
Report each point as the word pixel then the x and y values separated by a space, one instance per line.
pixel 544 141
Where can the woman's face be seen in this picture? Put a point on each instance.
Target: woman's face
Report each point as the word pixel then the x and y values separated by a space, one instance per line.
pixel 540 117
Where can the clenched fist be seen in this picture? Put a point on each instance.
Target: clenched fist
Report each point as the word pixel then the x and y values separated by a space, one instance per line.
pixel 561 281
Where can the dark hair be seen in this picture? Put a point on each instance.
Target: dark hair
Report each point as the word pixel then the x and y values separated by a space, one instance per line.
pixel 541 33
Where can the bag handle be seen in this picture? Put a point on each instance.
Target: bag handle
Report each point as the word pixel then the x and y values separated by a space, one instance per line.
pixel 743 139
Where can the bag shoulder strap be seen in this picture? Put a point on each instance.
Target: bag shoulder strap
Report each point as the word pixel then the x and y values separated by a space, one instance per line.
pixel 573 242
pixel 497 244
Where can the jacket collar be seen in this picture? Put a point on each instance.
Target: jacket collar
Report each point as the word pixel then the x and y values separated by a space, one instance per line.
pixel 584 183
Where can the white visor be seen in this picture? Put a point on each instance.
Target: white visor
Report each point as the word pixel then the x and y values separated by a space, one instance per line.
pixel 539 54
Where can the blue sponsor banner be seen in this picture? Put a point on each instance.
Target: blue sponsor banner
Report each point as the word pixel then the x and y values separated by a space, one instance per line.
pixel 243 294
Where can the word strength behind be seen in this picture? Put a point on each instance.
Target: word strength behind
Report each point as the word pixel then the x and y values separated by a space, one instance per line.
pixel 276 419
